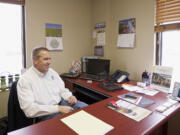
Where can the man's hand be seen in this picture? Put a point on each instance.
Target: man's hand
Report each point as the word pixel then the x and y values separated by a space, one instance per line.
pixel 72 100
pixel 65 109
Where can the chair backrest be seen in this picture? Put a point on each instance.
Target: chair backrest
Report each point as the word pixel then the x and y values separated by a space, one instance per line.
pixel 16 117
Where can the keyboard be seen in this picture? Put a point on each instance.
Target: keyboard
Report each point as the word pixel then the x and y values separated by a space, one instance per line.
pixel 110 86
pixel 71 75
pixel 92 77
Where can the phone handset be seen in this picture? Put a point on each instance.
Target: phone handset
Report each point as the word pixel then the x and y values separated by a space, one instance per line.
pixel 119 76
pixel 122 78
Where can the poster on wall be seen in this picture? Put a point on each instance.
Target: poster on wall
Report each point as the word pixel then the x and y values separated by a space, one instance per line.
pixel 54 37
pixel 99 51
pixel 126 36
pixel 99 33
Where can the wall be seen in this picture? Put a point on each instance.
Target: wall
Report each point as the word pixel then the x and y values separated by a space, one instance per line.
pixel 139 58
pixel 78 17
pixel 75 17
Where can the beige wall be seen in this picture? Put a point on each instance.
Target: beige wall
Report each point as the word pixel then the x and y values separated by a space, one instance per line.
pixel 75 17
pixel 78 18
pixel 134 60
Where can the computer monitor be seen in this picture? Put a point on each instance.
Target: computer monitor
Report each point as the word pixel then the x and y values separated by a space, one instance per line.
pixel 98 67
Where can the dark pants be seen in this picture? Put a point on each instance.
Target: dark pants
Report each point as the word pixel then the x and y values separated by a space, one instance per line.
pixel 76 106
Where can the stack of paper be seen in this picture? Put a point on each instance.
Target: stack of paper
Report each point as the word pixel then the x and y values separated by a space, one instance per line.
pixel 166 105
pixel 84 123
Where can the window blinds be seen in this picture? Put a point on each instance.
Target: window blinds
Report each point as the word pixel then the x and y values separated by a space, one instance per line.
pixel 167 11
pixel 167 15
pixel 19 2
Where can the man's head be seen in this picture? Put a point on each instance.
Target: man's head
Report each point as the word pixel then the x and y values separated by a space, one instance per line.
pixel 41 59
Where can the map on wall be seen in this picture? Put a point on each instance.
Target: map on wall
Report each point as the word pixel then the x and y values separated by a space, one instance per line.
pixel 126 36
pixel 54 36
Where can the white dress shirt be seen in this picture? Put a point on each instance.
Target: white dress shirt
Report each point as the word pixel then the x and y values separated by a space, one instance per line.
pixel 39 93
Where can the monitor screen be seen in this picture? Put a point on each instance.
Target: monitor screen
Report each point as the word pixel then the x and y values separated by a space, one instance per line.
pixel 98 66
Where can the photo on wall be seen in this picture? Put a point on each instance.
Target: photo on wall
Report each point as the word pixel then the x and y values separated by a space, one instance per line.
pixel 126 33
pixel 54 37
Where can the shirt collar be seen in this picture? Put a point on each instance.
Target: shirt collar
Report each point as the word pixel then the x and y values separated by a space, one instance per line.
pixel 38 72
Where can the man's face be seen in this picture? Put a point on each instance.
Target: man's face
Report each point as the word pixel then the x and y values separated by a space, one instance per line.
pixel 43 62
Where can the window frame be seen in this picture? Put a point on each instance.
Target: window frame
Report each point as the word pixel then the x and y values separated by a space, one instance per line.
pixel 159 29
pixel 23 38
pixel 19 2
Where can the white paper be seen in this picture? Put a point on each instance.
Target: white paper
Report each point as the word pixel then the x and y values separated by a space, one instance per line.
pixel 130 87
pixel 147 92
pixel 137 113
pixel 101 38
pixel 126 40
pixel 84 123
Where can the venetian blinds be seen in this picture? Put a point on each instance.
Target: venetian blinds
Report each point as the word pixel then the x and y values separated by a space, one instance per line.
pixel 167 11
pixel 19 2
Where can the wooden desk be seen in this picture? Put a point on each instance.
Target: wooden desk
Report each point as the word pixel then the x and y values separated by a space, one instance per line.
pixel 154 124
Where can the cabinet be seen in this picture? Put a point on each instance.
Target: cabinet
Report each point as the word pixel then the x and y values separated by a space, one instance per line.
pixel 83 93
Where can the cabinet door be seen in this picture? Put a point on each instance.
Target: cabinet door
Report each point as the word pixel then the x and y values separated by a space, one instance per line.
pixel 68 84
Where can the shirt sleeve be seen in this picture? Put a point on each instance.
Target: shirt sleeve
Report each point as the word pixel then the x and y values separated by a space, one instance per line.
pixel 64 92
pixel 28 104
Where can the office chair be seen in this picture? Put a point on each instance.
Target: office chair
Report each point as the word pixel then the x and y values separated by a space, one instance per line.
pixel 16 117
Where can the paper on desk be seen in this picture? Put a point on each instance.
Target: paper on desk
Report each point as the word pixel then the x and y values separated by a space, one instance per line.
pixel 137 113
pixel 130 87
pixel 168 104
pixel 147 91
pixel 84 123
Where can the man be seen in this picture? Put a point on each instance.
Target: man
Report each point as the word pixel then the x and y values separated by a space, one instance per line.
pixel 41 92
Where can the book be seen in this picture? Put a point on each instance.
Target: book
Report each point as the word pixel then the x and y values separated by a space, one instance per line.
pixel 84 123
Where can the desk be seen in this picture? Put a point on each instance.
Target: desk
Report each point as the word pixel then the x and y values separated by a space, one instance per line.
pixel 154 124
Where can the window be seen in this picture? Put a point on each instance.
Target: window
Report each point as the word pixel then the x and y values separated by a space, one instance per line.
pixel 11 38
pixel 167 30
